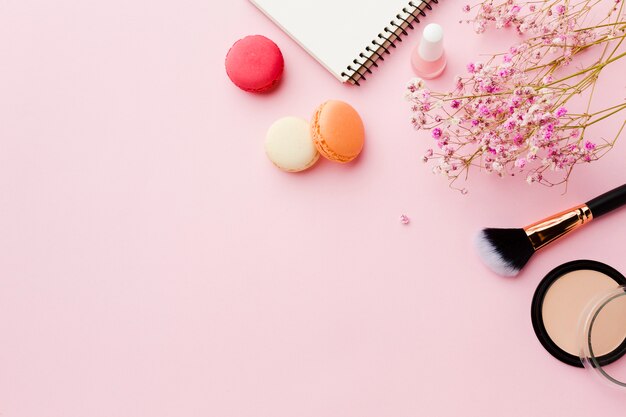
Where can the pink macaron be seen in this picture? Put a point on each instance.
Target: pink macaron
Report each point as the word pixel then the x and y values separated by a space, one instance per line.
pixel 254 64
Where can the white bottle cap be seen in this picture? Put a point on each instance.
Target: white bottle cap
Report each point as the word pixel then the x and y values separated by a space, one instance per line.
pixel 431 44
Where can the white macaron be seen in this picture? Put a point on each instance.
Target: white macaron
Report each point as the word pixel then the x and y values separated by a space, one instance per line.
pixel 289 145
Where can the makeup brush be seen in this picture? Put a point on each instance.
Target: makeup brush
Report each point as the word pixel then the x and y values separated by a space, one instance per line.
pixel 506 251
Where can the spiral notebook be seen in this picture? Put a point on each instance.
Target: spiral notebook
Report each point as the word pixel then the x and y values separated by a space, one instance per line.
pixel 348 37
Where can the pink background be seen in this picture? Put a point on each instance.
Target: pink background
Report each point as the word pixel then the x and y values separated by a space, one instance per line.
pixel 154 263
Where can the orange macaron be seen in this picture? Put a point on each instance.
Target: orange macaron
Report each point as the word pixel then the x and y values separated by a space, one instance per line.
pixel 337 131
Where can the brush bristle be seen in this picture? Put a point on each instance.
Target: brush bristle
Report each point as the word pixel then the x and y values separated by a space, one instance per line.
pixel 505 251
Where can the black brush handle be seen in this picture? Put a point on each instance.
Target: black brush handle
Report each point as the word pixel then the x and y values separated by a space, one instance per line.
pixel 608 201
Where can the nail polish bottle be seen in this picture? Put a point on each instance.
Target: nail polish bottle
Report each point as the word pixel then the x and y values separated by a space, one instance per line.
pixel 428 58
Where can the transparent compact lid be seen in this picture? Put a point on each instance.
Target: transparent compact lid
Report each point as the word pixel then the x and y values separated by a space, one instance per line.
pixel 602 337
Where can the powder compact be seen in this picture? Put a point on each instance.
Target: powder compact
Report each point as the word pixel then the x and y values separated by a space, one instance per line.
pixel 579 316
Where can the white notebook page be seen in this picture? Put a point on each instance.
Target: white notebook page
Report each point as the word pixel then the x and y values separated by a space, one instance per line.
pixel 333 31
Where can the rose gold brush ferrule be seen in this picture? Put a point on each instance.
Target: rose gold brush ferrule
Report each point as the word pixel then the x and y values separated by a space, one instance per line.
pixel 552 228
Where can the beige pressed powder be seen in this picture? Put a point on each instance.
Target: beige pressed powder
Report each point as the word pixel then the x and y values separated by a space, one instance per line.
pixel 578 313
pixel 565 302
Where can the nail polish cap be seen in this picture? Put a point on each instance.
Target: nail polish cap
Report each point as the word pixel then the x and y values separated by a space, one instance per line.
pixel 431 44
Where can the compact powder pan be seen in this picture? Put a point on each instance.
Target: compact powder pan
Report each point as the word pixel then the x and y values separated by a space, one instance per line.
pixel 579 313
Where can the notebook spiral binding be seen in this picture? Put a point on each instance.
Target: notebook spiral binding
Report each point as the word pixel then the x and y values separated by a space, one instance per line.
pixel 387 39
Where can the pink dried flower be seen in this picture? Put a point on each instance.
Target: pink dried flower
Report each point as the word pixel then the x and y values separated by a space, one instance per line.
pixel 520 163
pixel 404 219
pixel 509 125
pixel 590 146
pixel 510 114
pixel 480 27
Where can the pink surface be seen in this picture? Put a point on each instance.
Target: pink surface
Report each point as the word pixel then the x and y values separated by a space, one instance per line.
pixel 153 262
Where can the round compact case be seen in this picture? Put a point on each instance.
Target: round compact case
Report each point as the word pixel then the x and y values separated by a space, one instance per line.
pixel 579 316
